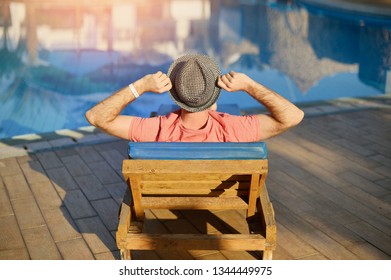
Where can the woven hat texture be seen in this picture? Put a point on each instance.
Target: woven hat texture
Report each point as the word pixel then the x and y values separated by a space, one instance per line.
pixel 194 82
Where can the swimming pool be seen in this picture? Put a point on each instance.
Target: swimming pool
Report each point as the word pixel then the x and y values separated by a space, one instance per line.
pixel 57 60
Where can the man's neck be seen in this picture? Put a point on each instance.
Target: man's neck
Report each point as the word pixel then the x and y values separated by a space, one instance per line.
pixel 195 120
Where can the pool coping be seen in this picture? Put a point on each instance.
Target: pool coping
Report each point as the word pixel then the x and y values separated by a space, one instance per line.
pixel 24 145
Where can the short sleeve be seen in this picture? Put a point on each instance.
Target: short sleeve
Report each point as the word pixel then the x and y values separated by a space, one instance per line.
pixel 144 129
pixel 243 128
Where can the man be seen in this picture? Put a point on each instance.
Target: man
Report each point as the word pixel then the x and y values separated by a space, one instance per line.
pixel 194 82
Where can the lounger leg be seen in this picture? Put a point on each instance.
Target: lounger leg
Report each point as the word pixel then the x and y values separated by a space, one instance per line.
pixel 267 255
pixel 125 254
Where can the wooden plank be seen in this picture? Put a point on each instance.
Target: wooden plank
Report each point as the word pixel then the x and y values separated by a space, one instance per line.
pixel 107 210
pixel 293 244
pixel 165 214
pixel 315 257
pixel 180 226
pixel 195 192
pixel 359 149
pixel 294 171
pixel 374 236
pixel 211 255
pixel 328 208
pixel 288 198
pixel 193 203
pixel 316 238
pixel 350 204
pixel 40 244
pixel 312 140
pixel 77 204
pixel 34 172
pixel 17 186
pixel 27 213
pixel 75 249
pixel 134 182
pixel 234 221
pixel 234 242
pixel 332 227
pixel 5 204
pixel 10 235
pixel 76 165
pixel 114 158
pixel 49 160
pixel 46 195
pixel 266 211
pixel 197 166
pixel 98 238
pixel 92 187
pixel 206 222
pixel 154 224
pixel 367 251
pixel 363 183
pixel 297 153
pixel 236 255
pixel 26 158
pixel 193 188
pixel 14 254
pixel 117 191
pixel 153 255
pixel 150 186
pixel 60 224
pixel 9 167
pixel 289 183
pixel 174 222
pixel 105 173
pixel 67 151
pixel 333 151
pixel 380 150
pixel 302 157
pixel 108 256
pixel 88 154
pixel 254 193
pixel 193 177
pixel 281 254
pixel 62 179
pixel 124 221
pixel 385 183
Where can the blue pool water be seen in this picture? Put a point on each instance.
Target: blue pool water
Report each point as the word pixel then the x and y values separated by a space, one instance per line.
pixel 57 59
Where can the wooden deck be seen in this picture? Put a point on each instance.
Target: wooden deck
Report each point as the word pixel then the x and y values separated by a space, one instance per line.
pixel 330 184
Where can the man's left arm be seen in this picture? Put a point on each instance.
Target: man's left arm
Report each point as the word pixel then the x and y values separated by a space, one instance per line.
pixel 106 114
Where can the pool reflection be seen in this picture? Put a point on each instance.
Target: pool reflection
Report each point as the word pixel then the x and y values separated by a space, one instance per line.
pixel 58 59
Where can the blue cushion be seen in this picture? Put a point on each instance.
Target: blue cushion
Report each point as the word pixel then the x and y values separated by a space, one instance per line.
pixel 193 150
pixel 232 109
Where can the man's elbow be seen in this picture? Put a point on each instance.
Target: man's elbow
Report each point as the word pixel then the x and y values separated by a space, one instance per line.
pixel 90 117
pixel 299 117
pixel 296 118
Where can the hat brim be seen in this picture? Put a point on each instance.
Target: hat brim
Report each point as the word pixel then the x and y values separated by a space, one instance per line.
pixel 213 67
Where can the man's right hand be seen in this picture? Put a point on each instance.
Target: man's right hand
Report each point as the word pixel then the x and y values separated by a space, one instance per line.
pixel 157 83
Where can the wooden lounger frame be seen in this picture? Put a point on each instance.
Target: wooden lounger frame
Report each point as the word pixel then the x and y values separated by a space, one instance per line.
pixel 196 185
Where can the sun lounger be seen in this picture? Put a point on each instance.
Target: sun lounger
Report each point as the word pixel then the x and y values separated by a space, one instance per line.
pixel 196 176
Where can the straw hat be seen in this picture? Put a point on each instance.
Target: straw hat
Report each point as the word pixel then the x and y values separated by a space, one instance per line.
pixel 194 82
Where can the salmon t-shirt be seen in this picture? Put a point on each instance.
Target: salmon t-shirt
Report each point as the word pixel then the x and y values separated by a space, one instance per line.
pixel 220 127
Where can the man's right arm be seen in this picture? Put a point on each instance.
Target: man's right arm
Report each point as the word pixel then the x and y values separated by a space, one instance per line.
pixel 283 114
pixel 106 114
